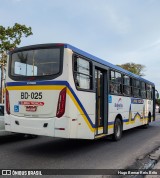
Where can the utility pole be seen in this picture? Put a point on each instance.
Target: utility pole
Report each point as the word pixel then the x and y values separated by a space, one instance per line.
pixel 2 82
pixel 2 64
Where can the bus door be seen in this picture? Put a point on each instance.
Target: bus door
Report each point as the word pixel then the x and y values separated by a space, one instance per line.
pixel 101 101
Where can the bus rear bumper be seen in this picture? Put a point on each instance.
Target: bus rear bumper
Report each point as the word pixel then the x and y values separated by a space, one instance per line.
pixel 36 126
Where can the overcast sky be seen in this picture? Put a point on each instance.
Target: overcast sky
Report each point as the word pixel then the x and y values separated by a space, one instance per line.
pixel 118 31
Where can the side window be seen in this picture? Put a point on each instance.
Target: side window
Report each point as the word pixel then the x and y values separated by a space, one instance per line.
pixel 115 83
pixel 82 73
pixel 143 90
pixel 136 88
pixel 149 91
pixel 112 76
pixel 126 85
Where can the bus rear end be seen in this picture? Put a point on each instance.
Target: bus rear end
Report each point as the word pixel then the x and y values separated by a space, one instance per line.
pixel 36 91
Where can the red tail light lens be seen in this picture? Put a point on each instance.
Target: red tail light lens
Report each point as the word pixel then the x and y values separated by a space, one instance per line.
pixel 61 103
pixel 7 102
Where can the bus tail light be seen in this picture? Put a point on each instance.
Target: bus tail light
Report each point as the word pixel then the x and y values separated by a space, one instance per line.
pixel 61 103
pixel 7 102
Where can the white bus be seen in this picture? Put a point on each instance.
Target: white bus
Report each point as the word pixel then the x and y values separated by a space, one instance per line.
pixel 59 90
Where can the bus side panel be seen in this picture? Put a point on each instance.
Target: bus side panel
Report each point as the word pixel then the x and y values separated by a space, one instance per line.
pixel 152 110
pixel 119 106
pixel 81 123
pixel 72 117
pixel 137 118
pixel 133 113
pixel 70 104
pixel 149 108
pixel 86 116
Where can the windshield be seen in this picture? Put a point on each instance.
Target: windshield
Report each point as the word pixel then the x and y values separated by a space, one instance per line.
pixel 38 62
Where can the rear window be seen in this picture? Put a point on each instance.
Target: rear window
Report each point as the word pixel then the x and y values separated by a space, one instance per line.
pixel 37 63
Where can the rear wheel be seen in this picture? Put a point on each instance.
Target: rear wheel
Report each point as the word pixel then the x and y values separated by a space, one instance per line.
pixel 146 125
pixel 117 133
pixel 148 121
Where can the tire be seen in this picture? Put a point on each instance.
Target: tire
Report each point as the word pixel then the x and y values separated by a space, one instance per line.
pixel 147 125
pixel 117 132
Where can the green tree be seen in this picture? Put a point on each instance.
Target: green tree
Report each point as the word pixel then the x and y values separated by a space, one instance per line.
pixel 134 68
pixel 10 38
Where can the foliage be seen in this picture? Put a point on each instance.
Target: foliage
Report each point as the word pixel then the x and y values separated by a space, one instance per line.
pixel 10 37
pixel 158 102
pixel 134 68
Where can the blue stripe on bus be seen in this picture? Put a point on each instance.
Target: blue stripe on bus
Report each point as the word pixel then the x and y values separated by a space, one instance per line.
pixel 30 83
pixel 125 120
pixel 110 123
pixel 65 83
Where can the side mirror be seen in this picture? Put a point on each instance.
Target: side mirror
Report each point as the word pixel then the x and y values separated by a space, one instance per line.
pixel 156 94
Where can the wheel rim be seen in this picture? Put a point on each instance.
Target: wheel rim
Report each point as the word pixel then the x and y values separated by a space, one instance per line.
pixel 118 129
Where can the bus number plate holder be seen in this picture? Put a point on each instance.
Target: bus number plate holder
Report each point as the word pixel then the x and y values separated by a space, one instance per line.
pixel 31 108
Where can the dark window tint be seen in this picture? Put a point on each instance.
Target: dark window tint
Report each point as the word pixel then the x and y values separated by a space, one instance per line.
pixel 115 86
pixel 149 91
pixel 143 90
pixel 38 62
pixel 126 85
pixel 136 88
pixel 126 80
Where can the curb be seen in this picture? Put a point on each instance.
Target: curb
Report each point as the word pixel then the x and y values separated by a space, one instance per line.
pixel 153 159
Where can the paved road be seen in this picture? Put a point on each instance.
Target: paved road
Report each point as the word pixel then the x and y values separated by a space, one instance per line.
pixel 46 152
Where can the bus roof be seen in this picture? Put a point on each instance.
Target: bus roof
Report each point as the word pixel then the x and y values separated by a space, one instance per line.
pixel 101 61
pixel 87 55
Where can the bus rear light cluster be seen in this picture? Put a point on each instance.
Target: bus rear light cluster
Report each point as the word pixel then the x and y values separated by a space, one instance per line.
pixel 61 103
pixel 7 102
